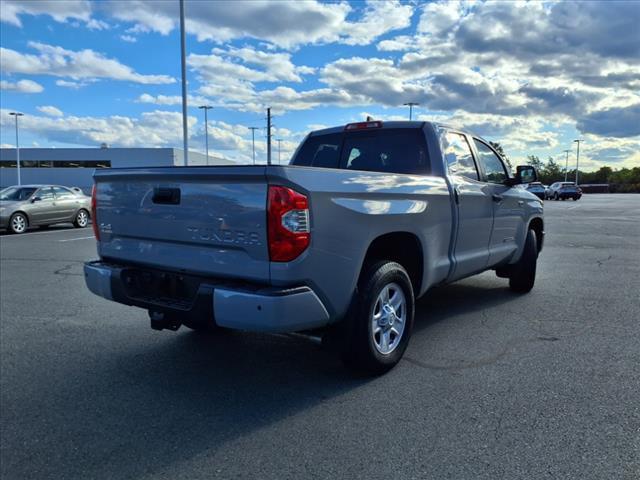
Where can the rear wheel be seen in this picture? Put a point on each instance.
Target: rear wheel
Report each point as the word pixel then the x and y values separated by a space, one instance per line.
pixel 556 196
pixel 82 219
pixel 523 274
pixel 18 223
pixel 381 319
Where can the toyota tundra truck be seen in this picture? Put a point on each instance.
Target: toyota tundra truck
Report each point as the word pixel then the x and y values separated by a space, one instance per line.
pixel 341 242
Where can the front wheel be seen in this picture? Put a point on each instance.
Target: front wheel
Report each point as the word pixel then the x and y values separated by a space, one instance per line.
pixel 82 219
pixel 18 223
pixel 381 319
pixel 523 274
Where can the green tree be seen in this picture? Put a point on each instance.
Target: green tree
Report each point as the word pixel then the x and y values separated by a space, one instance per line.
pixel 551 172
pixel 498 148
pixel 534 161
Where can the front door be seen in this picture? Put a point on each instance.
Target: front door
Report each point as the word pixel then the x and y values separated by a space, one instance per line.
pixel 507 204
pixel 474 204
pixel 42 210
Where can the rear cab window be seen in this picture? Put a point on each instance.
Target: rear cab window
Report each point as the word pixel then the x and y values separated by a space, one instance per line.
pixel 458 157
pixel 391 150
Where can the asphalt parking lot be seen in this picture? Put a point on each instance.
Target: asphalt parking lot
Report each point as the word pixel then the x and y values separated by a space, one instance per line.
pixel 493 385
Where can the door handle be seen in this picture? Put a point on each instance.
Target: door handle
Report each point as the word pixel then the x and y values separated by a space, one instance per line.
pixel 497 198
pixel 520 202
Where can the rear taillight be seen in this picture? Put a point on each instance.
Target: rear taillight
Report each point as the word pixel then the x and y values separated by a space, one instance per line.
pixel 94 208
pixel 287 223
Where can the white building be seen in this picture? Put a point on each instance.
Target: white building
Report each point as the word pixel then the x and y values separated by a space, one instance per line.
pixel 74 167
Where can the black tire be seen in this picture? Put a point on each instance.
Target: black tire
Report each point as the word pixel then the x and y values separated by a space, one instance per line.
pixel 575 199
pixel 556 197
pixel 523 273
pixel 360 352
pixel 81 220
pixel 18 223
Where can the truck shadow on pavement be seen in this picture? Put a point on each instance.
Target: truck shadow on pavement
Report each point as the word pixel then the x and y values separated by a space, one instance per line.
pixel 133 412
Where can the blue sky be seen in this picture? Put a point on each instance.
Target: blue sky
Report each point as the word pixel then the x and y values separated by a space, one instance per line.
pixel 531 75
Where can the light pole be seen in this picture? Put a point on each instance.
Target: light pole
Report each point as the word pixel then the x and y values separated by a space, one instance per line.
pixel 183 62
pixel 279 140
pixel 17 114
pixel 566 165
pixel 206 129
pixel 253 141
pixel 411 105
pixel 577 159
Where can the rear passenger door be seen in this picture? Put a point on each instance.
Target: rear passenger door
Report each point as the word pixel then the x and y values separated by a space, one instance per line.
pixel 507 204
pixel 474 205
pixel 66 203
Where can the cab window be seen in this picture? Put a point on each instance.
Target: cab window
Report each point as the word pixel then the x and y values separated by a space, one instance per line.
pixel 457 154
pixel 491 164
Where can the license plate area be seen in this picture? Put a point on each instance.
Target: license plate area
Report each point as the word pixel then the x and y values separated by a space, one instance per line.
pixel 165 289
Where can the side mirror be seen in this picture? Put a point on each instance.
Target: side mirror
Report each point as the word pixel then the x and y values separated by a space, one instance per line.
pixel 525 174
pixel 35 199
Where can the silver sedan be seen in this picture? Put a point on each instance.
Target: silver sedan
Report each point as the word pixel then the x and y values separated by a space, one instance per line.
pixel 42 205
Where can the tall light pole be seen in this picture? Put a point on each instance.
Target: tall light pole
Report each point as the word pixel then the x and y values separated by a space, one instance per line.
pixel 253 141
pixel 17 114
pixel 566 165
pixel 269 136
pixel 206 129
pixel 411 105
pixel 279 140
pixel 183 61
pixel 577 159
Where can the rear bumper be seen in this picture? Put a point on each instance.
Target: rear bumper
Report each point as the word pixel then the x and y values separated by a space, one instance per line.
pixel 243 307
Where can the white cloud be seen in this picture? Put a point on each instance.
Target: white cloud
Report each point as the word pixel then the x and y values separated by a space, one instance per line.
pixel 151 129
pixel 286 24
pixel 71 84
pixel 59 10
pixel 51 111
pixel 192 100
pixel 128 38
pixel 82 64
pixel 21 86
pixel 379 18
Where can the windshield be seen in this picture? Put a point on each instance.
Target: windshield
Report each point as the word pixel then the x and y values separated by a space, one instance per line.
pixel 15 193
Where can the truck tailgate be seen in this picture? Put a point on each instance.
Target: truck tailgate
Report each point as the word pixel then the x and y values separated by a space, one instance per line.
pixel 205 220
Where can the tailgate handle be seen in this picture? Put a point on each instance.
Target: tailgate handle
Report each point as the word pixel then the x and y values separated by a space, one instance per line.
pixel 166 196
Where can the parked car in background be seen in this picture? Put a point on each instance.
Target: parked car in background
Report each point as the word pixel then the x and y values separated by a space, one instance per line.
pixel 537 189
pixel 564 190
pixel 365 219
pixel 42 205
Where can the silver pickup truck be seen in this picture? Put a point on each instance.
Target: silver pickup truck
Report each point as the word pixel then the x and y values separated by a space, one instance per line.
pixel 365 219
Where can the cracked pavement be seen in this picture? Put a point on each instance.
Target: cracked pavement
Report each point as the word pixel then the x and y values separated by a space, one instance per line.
pixel 494 385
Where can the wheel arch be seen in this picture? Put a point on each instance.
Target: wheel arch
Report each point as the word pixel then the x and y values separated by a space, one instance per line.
pixel 22 212
pixel 537 225
pixel 402 247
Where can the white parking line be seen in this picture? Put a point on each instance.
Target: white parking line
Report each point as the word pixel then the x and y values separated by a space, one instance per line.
pixel 30 233
pixel 74 239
